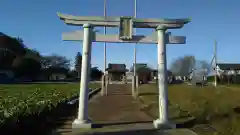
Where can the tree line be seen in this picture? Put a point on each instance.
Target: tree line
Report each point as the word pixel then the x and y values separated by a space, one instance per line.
pixel 29 64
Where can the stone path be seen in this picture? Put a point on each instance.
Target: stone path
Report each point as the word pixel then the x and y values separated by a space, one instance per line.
pixel 117 111
pixel 118 106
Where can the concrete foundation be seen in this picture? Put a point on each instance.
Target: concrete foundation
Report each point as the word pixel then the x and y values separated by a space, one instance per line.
pixel 81 124
pixel 159 124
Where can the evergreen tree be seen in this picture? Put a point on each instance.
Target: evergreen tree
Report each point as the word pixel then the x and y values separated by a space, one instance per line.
pixel 78 64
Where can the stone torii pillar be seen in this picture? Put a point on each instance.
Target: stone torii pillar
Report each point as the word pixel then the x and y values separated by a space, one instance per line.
pixel 82 119
pixel 162 121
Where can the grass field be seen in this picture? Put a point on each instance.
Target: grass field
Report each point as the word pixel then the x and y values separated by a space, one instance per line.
pixel 23 100
pixel 192 107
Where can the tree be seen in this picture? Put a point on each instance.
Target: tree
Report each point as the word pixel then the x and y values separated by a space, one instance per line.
pixel 6 59
pixel 183 65
pixel 55 61
pixel 14 45
pixel 72 74
pixel 95 73
pixel 10 48
pixel 78 63
pixel 28 68
pixel 204 67
pixel 201 70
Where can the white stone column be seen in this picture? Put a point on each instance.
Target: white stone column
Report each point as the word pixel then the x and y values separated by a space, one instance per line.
pixel 82 119
pixel 162 121
pixel 137 85
pixel 106 84
pixel 103 85
pixel 133 86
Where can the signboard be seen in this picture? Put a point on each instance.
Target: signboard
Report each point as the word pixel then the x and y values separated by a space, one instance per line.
pixel 126 28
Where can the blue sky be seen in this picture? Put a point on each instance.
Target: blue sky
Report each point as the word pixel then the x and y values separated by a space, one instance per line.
pixel 39 26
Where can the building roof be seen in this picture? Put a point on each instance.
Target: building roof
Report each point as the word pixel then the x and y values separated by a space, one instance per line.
pixel 116 67
pixel 228 66
pixel 139 66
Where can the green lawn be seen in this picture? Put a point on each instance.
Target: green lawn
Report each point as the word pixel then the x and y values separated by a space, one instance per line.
pixel 30 99
pixel 218 107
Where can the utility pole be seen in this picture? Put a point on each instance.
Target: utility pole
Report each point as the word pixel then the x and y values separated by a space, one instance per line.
pixel 134 82
pixel 104 77
pixel 135 51
pixel 215 63
pixel 105 31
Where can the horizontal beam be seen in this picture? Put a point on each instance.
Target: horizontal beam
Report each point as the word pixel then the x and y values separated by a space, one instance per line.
pixel 101 21
pixel 152 39
pixel 117 19
pixel 117 24
pixel 97 24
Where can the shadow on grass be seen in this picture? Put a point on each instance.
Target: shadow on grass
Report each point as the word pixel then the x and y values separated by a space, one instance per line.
pixel 101 125
pixel 177 82
pixel 237 109
pixel 148 94
pixel 187 124
pixel 118 94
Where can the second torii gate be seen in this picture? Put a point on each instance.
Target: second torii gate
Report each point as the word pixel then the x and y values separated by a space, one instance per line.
pixel 126 25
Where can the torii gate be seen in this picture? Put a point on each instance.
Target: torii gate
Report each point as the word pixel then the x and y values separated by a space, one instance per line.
pixel 126 25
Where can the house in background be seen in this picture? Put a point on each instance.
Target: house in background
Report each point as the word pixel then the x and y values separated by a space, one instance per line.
pixel 154 74
pixel 228 68
pixel 228 72
pixel 116 71
pixel 144 72
pixel 53 74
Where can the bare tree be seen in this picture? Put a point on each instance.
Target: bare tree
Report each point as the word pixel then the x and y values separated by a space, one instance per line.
pixel 183 65
pixel 201 70
pixel 55 61
pixel 204 67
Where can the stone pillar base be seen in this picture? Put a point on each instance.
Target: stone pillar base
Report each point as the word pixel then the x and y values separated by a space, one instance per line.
pixel 159 124
pixel 84 124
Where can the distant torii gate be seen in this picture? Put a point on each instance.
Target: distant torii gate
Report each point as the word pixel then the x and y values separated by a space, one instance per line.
pixel 126 25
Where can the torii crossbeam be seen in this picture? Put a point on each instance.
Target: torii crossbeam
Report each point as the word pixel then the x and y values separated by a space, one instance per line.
pixel 126 25
pixel 151 39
